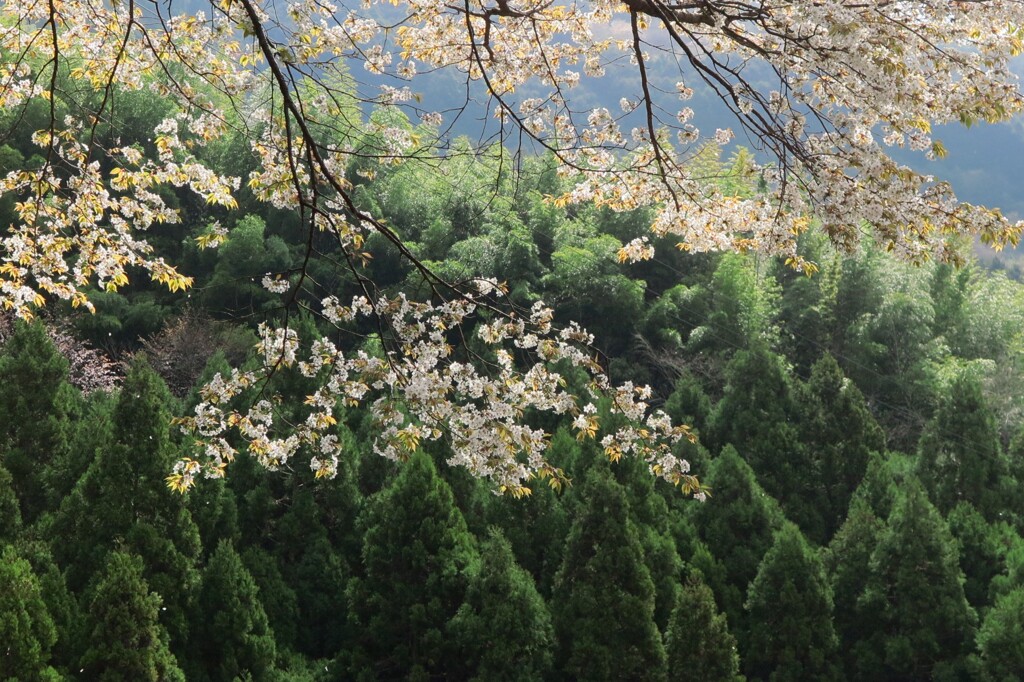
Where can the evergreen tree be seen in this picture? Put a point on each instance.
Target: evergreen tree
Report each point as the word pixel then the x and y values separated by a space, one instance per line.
pixel 122 498
pixel 36 403
pixel 61 605
pixel 790 614
pixel 603 601
pixel 923 624
pixel 213 510
pixel 737 524
pixel 10 512
pixel 416 557
pixel 698 641
pixel 960 456
pixel 535 527
pixel 840 434
pixel 317 572
pixel 27 633
pixel 981 554
pixel 503 630
pixel 848 561
pixel 758 416
pixel 1001 639
pixel 231 636
pixel 125 639
pixel 277 596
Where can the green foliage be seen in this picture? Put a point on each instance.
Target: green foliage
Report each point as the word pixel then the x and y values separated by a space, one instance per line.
pixel 10 513
pixel 923 625
pixel 960 456
pixel 603 601
pixel 737 524
pixel 122 498
pixel 1001 639
pixel 790 613
pixel 535 528
pixel 243 260
pixel 26 628
pixel 698 640
pixel 758 416
pixel 415 562
pixel 839 434
pixel 981 553
pixel 231 636
pixel 37 404
pixel 848 561
pixel 503 630
pixel 125 639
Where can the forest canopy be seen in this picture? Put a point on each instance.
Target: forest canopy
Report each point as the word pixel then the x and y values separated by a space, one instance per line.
pixel 123 120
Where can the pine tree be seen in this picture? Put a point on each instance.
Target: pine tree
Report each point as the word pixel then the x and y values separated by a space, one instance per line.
pixel 536 528
pixel 603 601
pixel 923 624
pixel 841 434
pixel 790 614
pixel 503 630
pixel 960 456
pixel 230 636
pixel 27 633
pixel 415 561
pixel 125 639
pixel 698 641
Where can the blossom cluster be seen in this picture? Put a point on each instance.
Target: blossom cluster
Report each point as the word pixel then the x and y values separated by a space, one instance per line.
pixel 419 391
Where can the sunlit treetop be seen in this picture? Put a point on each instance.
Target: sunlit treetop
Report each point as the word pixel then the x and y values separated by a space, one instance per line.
pixel 822 89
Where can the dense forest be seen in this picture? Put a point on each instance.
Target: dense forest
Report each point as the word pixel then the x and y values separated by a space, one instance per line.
pixel 860 435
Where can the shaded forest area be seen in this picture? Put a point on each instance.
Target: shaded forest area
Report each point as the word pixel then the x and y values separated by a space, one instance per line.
pixel 860 432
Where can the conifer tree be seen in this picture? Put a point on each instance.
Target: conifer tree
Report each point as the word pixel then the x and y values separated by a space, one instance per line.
pixel 230 634
pixel 503 630
pixel 62 606
pixel 123 498
pixel 960 456
pixel 214 512
pixel 737 524
pixel 1001 639
pixel 848 560
pixel 789 603
pixel 276 595
pixel 649 513
pixel 758 415
pixel 535 528
pixel 698 641
pixel 981 554
pixel 923 626
pixel 27 633
pixel 317 572
pixel 125 640
pixel 10 511
pixel 415 561
pixel 840 434
pixel 603 601
pixel 36 403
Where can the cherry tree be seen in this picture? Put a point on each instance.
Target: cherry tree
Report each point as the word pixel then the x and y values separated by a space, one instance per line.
pixel 823 89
